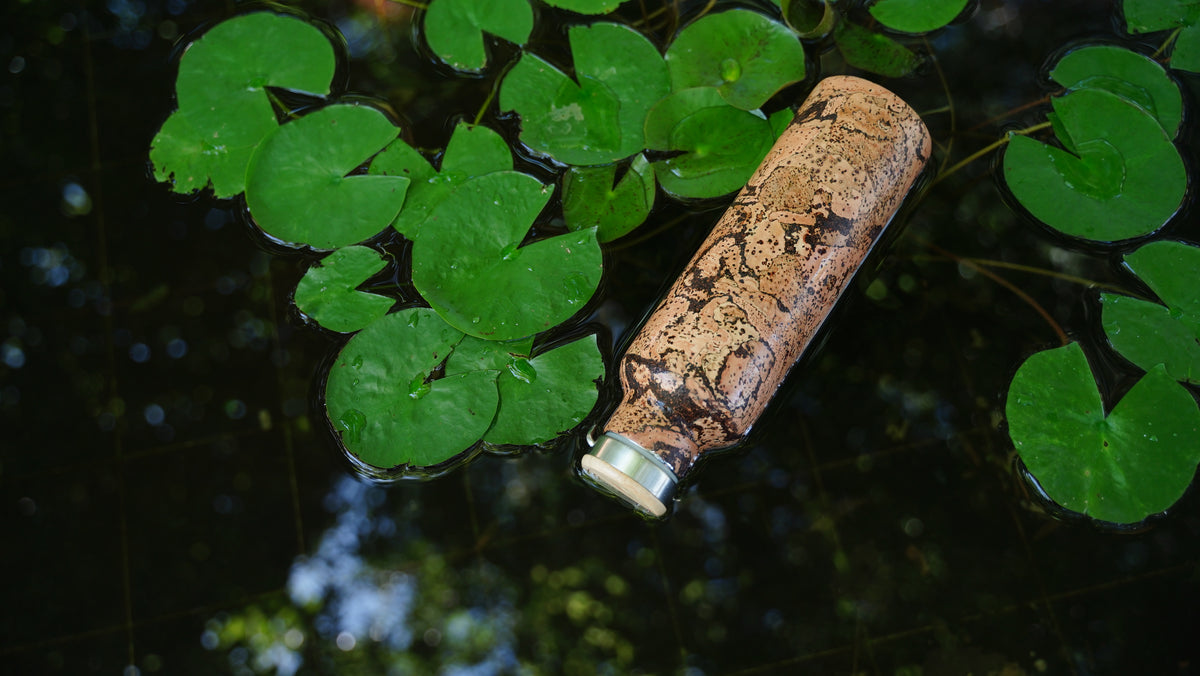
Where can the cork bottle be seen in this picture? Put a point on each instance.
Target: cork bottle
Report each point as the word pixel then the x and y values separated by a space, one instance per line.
pixel 709 358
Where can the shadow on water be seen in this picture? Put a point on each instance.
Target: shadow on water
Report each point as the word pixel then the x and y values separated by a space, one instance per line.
pixel 173 506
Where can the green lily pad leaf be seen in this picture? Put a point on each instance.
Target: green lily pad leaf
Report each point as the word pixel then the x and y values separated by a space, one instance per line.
pixel 916 16
pixel 224 110
pixel 454 29
pixel 810 19
pixel 874 52
pixel 1149 334
pixel 1127 74
pixel 388 409
pixel 586 6
pixel 298 188
pixel 723 145
pixel 1147 16
pixel 1134 462
pixel 1119 176
pixel 472 151
pixel 469 266
pixel 745 55
pixel 599 118
pixel 591 199
pixel 1186 53
pixel 328 293
pixel 540 397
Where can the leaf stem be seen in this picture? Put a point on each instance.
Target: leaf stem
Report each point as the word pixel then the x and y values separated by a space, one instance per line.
pixel 942 175
pixel 412 3
pixel 1054 274
pixel 487 102
pixel 1166 43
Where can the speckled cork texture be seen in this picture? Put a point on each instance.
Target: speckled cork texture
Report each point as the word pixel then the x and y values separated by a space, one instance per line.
pixel 710 357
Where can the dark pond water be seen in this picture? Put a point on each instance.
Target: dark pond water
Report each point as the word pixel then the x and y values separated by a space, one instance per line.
pixel 172 506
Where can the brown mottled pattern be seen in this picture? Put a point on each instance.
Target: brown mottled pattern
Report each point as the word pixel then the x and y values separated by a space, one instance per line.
pixel 704 366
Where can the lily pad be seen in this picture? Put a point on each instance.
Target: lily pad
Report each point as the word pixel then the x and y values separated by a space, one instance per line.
pixel 472 151
pixel 722 145
pixel 540 397
pixel 1185 55
pixel 469 264
pixel 382 399
pixel 1146 16
pixel 224 109
pixel 597 118
pixel 873 51
pixel 1127 74
pixel 1149 334
pixel 299 189
pixel 586 6
pixel 591 198
pixel 454 29
pixel 1117 176
pixel 328 293
pixel 745 55
pixel 1134 462
pixel 916 16
pixel 810 19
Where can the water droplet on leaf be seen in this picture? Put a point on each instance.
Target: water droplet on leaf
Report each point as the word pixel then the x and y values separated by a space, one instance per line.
pixel 522 370
pixel 418 387
pixel 352 423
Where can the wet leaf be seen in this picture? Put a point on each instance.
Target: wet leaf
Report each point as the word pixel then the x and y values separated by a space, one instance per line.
pixel 469 266
pixel 874 52
pixel 745 55
pixel 472 151
pixel 328 293
pixel 1117 176
pixel 722 145
pixel 1146 16
pixel 1149 334
pixel 298 187
pixel 586 6
pixel 388 411
pixel 1134 462
pixel 1127 74
pixel 1186 53
pixel 916 16
pixel 590 198
pixel 597 118
pixel 224 110
pixel 454 29
pixel 811 19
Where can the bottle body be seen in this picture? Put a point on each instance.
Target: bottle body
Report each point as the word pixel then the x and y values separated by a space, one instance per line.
pixel 707 361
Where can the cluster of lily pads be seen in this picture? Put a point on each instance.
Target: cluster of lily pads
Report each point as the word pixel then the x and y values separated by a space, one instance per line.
pixel 1115 175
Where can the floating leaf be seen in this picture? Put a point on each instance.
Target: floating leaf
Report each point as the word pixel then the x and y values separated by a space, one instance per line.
pixel 472 151
pixel 591 199
pixel 383 401
pixel 745 55
pixel 1186 53
pixel 1123 467
pixel 1127 74
pixel 723 145
pixel 1118 175
pixel 874 52
pixel 224 110
pixel 811 19
pixel 916 16
pixel 298 188
pixel 1149 334
pixel 328 293
pixel 598 119
pixel 454 29
pixel 469 265
pixel 1146 16
pixel 586 6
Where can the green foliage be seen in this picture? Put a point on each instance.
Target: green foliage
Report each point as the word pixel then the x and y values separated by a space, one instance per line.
pixel 810 19
pixel 722 145
pixel 874 52
pixel 1149 334
pixel 916 16
pixel 475 250
pixel 225 109
pixel 1121 467
pixel 299 188
pixel 592 197
pixel 473 151
pixel 328 294
pixel 384 399
pixel 454 29
pixel 746 56
pixel 1117 175
pixel 1131 76
pixel 586 6
pixel 596 118
pixel 1147 16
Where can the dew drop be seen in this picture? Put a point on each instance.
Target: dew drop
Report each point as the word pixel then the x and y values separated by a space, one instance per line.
pixel 352 423
pixel 576 286
pixel 510 252
pixel 522 370
pixel 357 362
pixel 418 387
pixel 731 70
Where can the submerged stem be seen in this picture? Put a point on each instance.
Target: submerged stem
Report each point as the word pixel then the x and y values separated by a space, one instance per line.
pixel 985 150
pixel 1166 43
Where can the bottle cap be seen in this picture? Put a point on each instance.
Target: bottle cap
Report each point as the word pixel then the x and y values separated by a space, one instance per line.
pixel 630 473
